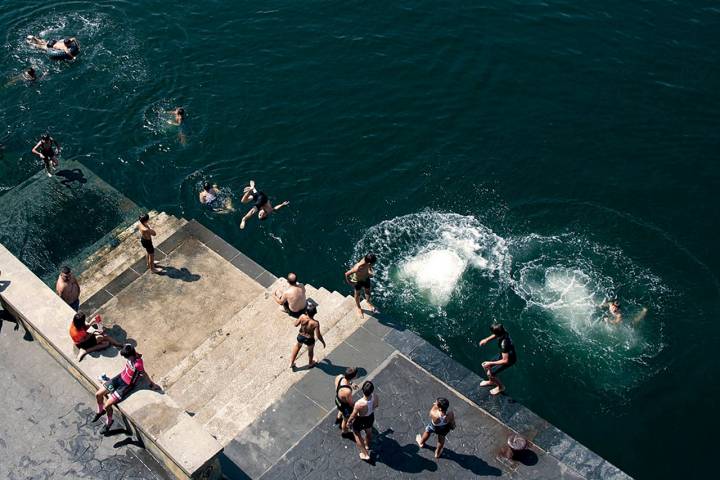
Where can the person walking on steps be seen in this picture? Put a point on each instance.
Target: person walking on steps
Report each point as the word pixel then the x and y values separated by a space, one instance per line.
pixel 309 327
pixel 362 419
pixel 441 422
pixel 505 360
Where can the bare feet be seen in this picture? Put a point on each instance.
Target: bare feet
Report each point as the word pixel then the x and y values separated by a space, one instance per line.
pixel 242 224
pixel 496 391
pixel 486 383
pixel 312 364
pixel 360 312
pixel 418 440
pixel 365 457
pixel 252 184
pixel 437 454
pixel 292 367
pixel 81 355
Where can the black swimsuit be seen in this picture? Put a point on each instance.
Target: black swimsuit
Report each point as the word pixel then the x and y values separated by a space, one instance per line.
pixel 260 199
pixel 342 406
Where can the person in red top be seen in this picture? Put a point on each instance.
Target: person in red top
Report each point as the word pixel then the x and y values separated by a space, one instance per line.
pixel 87 341
pixel 119 387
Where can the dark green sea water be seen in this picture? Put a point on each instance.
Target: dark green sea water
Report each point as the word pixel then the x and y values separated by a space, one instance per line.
pixel 517 161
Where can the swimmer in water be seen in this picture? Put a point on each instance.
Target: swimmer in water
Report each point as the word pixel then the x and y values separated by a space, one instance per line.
pixel 48 150
pixel 211 196
pixel 616 316
pixel 29 75
pixel 69 46
pixel 179 116
pixel 261 204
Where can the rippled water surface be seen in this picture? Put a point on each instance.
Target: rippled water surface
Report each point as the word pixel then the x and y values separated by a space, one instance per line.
pixel 511 161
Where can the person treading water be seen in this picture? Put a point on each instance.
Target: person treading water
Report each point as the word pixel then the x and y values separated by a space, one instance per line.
pixel 212 196
pixel 262 205
pixel 28 75
pixel 178 116
pixel 616 314
pixel 65 49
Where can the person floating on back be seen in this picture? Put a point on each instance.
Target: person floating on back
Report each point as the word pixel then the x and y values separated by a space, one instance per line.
pixel 261 204
pixel 344 398
pixel 211 196
pixel 309 327
pixel 359 276
pixel 362 419
pixel 89 341
pixel 293 300
pixel 116 389
pixel 505 360
pixel 616 314
pixel 64 49
pixel 48 150
pixel 146 234
pixel 68 288
pixel 441 422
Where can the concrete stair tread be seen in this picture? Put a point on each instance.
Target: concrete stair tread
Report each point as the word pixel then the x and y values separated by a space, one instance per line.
pixel 232 417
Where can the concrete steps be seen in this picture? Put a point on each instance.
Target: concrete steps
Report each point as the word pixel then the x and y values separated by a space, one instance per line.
pixel 275 380
pixel 108 262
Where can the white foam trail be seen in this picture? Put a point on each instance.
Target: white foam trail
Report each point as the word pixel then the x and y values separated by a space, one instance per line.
pixel 435 273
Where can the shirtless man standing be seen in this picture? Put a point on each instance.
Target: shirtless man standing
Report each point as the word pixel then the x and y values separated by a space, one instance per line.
pixel 359 277
pixel 48 150
pixel 293 299
pixel 146 234
pixel 261 204
pixel 306 336
pixel 68 288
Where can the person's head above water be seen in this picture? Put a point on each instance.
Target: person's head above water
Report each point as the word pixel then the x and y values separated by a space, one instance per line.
pixel 79 320
pixel 497 329
pixel 370 258
pixel 180 112
pixel 350 373
pixel 443 404
pixel 144 218
pixel 30 72
pixel 128 351
pixel 207 187
pixel 292 278
pixel 46 137
pixel 368 388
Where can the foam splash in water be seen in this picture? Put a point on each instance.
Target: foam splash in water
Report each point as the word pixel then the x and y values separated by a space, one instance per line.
pixel 436 273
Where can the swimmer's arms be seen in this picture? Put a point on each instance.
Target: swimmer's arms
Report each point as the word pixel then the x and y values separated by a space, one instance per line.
pixel 485 340
pixel 283 204
pixel 35 150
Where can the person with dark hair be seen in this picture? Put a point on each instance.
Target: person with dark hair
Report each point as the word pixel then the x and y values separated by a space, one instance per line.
pixel 65 49
pixel 179 116
pixel 212 196
pixel 309 327
pixel 616 314
pixel 441 422
pixel 68 288
pixel 293 300
pixel 116 389
pixel 209 193
pixel 87 341
pixel 359 278
pixel 362 419
pixel 261 204
pixel 48 150
pixel 146 234
pixel 505 360
pixel 344 397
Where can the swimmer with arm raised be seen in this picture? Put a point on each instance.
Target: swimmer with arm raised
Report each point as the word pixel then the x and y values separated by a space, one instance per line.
pixel 616 315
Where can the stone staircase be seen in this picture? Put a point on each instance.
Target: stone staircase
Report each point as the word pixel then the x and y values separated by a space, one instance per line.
pixel 112 259
pixel 237 373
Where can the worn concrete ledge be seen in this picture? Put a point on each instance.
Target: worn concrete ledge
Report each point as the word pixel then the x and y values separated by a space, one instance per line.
pixel 172 436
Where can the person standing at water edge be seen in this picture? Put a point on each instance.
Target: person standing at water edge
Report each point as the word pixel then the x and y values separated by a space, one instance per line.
pixel 68 288
pixel 344 398
pixel 505 360
pixel 293 300
pixel 146 234
pixel 359 277
pixel 306 336
pixel 441 422
pixel 48 150
pixel 362 419
pixel 262 205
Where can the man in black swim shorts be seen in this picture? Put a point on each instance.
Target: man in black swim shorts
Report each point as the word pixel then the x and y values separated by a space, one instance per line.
pixel 261 204
pixel 146 234
pixel 505 360
pixel 48 150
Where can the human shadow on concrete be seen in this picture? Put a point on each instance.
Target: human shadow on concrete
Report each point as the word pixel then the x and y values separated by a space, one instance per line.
pixel 6 317
pixel 403 458
pixel 117 333
pixel 476 465
pixel 72 176
pixel 527 457
pixel 327 366
pixel 4 284
pixel 179 274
